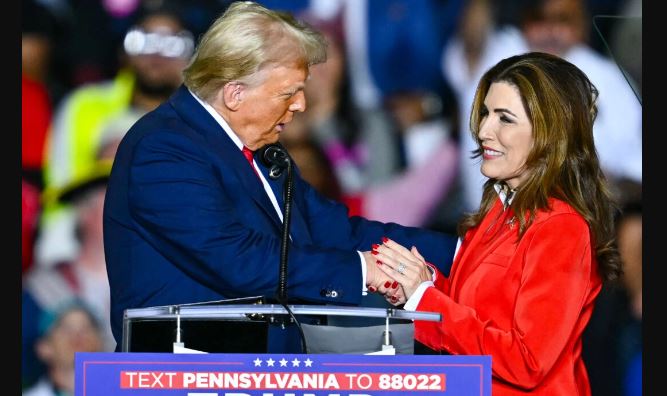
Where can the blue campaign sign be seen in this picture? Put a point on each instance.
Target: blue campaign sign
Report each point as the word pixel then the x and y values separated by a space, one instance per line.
pixel 166 374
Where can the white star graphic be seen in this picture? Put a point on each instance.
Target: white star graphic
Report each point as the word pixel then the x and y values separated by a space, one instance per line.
pixel 258 363
pixel 270 362
pixel 308 362
pixel 295 362
pixel 283 362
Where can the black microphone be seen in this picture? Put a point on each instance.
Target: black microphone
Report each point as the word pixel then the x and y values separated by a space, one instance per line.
pixel 276 158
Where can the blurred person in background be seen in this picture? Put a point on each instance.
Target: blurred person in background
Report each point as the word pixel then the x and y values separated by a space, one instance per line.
pixel 433 179
pixel 396 43
pixel 72 327
pixel 84 277
pixel 315 168
pixel 478 44
pixel 360 145
pixel 39 31
pixel 629 231
pixel 393 51
pixel 387 42
pixel 363 147
pixel 37 35
pixel 42 27
pixel 612 343
pixel 559 27
pixel 86 48
pixel 157 49
pixel 428 145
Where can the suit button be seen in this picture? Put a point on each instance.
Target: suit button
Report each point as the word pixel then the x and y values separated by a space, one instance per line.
pixel 323 293
pixel 334 294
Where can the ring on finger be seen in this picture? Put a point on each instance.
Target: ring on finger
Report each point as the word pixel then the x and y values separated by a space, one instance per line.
pixel 401 268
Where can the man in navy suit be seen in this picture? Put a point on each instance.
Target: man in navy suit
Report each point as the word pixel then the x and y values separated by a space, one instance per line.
pixel 190 216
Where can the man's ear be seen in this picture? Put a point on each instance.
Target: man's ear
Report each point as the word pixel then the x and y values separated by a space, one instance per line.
pixel 232 94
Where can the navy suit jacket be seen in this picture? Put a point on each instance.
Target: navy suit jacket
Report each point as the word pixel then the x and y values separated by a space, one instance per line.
pixel 186 220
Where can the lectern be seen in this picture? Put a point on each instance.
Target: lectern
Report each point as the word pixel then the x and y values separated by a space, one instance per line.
pixel 242 327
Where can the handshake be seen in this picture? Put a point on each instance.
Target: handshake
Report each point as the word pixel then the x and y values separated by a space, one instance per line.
pixel 394 271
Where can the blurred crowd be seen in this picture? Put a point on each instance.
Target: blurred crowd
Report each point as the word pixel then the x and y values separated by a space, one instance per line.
pixel 386 132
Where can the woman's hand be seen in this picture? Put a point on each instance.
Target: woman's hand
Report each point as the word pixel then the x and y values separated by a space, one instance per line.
pixel 408 267
pixel 378 281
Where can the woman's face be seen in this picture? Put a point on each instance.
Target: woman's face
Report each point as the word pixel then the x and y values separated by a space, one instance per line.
pixel 506 135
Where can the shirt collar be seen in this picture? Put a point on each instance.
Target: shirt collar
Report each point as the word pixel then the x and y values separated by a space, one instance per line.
pixel 225 126
pixel 502 194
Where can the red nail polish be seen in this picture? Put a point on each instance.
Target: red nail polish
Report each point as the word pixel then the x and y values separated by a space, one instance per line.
pixel 387 284
pixel 394 299
pixel 375 252
pixel 371 289
pixel 384 239
pixel 375 246
pixel 378 262
pixel 394 285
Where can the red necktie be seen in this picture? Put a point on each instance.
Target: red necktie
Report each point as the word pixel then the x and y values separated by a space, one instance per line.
pixel 248 155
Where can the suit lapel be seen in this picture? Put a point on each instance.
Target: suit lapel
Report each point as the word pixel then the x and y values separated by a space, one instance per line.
pixel 298 228
pixel 485 240
pixel 199 119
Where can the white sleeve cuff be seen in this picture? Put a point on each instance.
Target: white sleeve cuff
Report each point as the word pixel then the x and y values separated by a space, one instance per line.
pixel 413 301
pixel 364 290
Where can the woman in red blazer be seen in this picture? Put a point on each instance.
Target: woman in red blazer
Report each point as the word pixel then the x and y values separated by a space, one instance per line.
pixel 532 259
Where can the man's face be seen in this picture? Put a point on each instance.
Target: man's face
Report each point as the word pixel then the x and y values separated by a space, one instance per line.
pixel 74 332
pixel 559 28
pixel 266 108
pixel 158 74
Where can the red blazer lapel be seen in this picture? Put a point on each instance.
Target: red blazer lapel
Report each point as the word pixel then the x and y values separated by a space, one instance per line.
pixel 486 238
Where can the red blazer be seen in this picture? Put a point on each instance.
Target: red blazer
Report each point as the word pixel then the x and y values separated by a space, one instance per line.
pixel 526 304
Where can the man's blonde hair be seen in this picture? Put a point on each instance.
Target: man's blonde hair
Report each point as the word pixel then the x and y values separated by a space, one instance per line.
pixel 244 40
